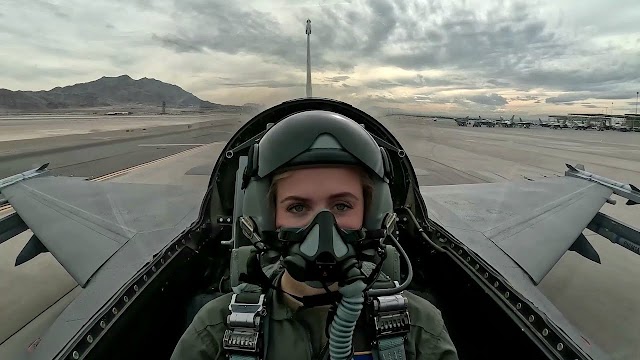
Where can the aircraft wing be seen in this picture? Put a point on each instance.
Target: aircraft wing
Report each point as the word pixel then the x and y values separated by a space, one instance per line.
pixel 532 222
pixel 84 223
pixel 515 232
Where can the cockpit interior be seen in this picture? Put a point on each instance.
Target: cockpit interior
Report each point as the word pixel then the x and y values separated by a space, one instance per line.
pixel 479 325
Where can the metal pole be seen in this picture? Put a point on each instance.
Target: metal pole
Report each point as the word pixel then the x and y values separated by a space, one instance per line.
pixel 308 32
pixel 636 118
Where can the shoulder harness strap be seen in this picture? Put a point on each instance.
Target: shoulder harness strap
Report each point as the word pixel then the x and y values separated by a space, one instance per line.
pixel 243 339
pixel 248 322
pixel 391 324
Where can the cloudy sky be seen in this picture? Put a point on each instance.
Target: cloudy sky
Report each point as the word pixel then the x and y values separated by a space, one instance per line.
pixel 489 58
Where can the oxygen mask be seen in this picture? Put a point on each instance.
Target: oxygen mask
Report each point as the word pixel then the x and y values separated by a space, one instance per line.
pixel 322 253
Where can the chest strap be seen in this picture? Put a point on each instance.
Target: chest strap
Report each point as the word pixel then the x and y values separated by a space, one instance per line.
pixel 244 340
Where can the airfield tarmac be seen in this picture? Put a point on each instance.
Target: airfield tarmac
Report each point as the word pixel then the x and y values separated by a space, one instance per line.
pixel 44 126
pixel 603 301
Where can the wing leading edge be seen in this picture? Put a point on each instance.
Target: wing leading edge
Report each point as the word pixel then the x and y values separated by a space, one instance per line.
pixel 84 223
pixel 533 222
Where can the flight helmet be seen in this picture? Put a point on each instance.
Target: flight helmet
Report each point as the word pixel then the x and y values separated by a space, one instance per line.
pixel 315 138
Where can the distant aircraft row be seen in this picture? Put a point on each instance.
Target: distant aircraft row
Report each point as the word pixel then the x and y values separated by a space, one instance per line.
pixel 511 123
pixel 494 122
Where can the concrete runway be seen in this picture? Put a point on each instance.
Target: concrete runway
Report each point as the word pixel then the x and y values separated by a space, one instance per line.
pixel 603 301
pixel 95 154
pixel 43 126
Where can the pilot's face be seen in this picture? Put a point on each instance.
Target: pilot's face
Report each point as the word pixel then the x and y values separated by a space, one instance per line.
pixel 302 193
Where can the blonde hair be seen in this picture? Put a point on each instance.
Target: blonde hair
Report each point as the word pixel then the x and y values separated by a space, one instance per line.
pixel 367 184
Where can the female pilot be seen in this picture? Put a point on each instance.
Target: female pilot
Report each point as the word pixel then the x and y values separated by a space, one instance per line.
pixel 312 163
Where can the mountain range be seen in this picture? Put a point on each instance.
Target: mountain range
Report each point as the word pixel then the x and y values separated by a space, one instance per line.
pixel 108 92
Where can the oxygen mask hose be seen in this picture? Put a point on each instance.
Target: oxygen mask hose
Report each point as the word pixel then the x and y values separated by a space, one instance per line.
pixel 344 321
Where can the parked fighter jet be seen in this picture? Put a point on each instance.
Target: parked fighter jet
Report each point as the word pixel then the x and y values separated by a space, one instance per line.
pixel 141 253
pixel 485 122
pixel 507 123
pixel 462 121
pixel 522 123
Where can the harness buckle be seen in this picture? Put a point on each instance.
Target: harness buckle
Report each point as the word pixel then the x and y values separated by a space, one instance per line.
pixel 244 335
pixel 391 316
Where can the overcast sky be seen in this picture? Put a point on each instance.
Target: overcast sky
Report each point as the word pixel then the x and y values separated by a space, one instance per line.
pixel 475 57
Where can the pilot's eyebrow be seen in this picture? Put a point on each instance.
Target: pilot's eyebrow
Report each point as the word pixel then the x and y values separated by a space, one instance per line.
pixel 345 194
pixel 295 198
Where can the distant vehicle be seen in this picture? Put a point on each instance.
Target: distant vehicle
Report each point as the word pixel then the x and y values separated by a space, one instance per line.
pixel 580 126
pixel 621 127
pixel 556 125
pixel 119 113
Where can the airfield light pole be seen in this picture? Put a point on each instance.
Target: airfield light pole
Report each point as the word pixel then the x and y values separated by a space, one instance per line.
pixel 636 118
pixel 308 32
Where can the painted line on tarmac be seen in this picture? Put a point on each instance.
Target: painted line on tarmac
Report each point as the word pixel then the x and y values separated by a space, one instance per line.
pixel 127 170
pixel 154 145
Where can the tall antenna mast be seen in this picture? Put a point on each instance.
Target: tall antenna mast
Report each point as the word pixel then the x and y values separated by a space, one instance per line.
pixel 308 32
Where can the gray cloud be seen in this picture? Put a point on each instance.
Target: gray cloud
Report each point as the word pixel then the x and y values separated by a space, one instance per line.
pixel 509 46
pixel 573 97
pixel 491 99
pixel 51 8
pixel 498 83
pixel 566 98
pixel 223 26
pixel 501 48
pixel 524 98
pixel 176 43
pixel 422 81
pixel 337 78
pixel 266 84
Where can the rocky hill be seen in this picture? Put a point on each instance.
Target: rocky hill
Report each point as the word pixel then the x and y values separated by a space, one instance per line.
pixel 108 91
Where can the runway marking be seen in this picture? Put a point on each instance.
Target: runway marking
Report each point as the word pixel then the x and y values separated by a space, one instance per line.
pixel 9 209
pixel 153 145
pixel 124 171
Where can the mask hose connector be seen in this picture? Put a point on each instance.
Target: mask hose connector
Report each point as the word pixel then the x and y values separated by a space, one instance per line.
pixel 344 321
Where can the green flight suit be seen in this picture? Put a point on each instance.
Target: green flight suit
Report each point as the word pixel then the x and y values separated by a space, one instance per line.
pixel 300 334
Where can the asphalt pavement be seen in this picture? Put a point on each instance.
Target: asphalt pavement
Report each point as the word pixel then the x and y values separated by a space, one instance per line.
pixel 96 154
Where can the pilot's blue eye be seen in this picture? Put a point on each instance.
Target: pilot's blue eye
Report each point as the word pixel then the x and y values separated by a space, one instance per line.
pixel 297 208
pixel 343 206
